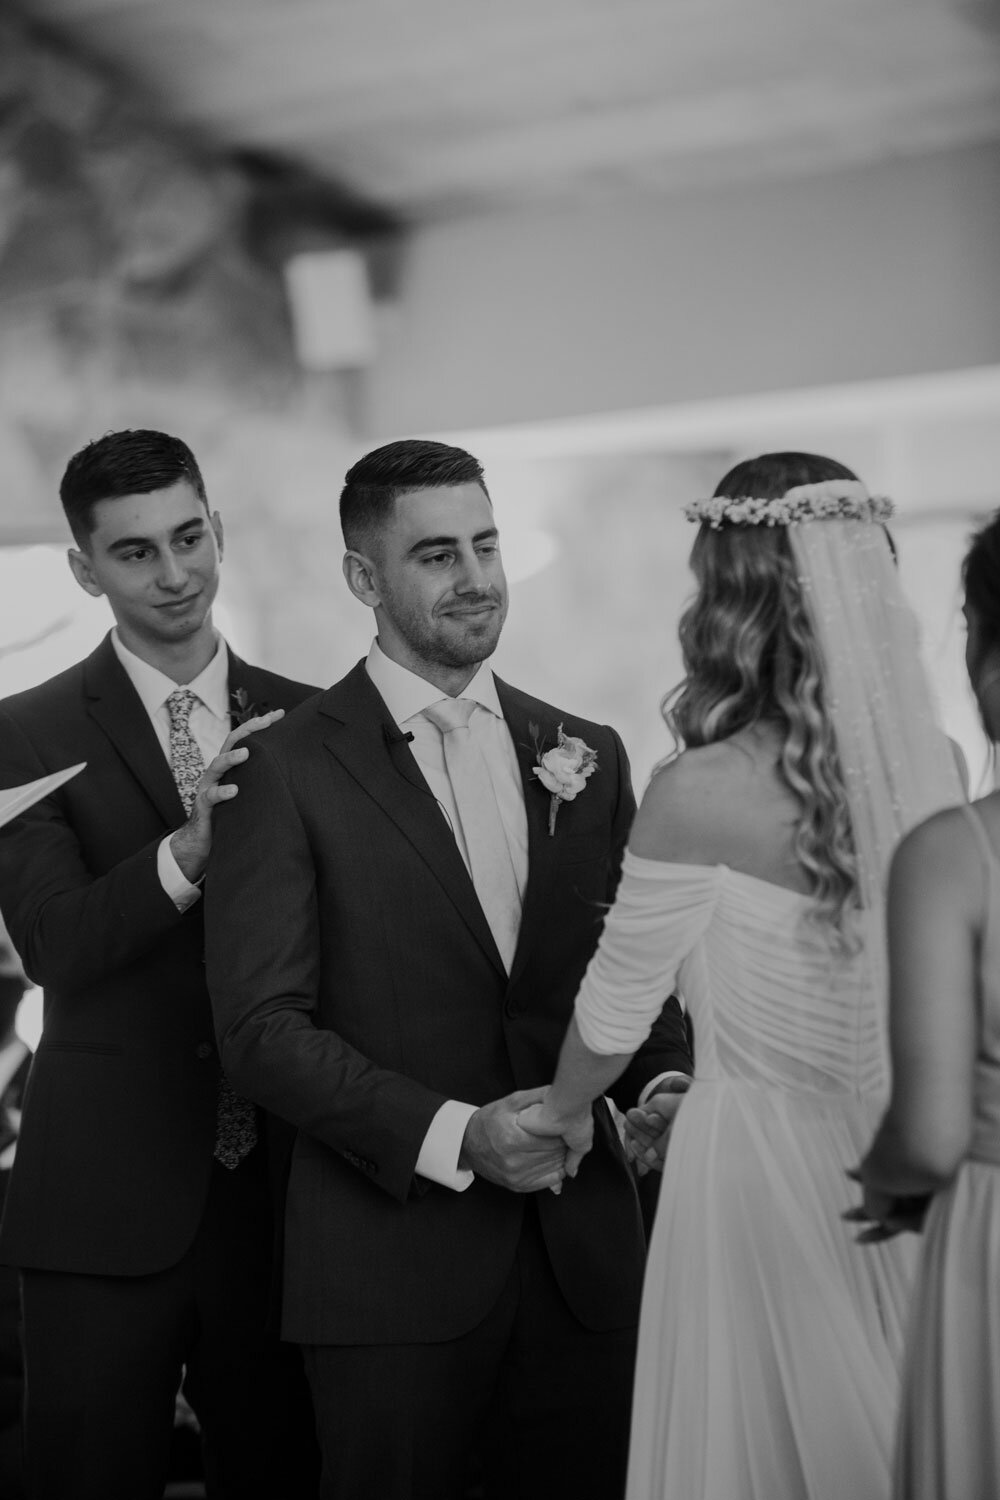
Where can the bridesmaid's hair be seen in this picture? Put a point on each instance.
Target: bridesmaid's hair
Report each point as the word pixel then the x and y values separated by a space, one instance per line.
pixel 981 582
pixel 751 656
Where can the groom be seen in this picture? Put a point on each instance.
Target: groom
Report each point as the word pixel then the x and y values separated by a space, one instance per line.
pixel 395 935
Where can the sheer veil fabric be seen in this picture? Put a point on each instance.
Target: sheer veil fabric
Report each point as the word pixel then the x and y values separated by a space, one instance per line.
pixel 897 763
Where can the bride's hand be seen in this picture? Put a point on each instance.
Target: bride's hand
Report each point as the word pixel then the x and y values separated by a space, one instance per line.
pixel 576 1131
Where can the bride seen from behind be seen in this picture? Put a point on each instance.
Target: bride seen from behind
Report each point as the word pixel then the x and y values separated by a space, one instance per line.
pixel 769 1341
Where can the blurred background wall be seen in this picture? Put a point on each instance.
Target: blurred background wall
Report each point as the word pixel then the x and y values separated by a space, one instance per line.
pixel 612 248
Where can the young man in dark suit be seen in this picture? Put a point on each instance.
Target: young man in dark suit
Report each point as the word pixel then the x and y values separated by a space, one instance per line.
pixel 398 919
pixel 139 1210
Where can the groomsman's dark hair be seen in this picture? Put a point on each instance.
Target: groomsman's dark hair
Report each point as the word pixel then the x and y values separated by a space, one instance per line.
pixel 375 483
pixel 133 462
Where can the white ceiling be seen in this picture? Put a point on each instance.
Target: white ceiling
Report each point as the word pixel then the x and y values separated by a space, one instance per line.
pixel 433 107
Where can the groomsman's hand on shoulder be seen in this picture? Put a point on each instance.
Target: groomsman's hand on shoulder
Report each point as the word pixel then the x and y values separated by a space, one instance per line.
pixel 192 843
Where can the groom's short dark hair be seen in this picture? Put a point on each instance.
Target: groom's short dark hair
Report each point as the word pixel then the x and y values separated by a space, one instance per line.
pixel 375 483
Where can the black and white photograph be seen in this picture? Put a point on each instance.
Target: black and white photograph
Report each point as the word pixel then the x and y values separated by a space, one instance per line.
pixel 499 706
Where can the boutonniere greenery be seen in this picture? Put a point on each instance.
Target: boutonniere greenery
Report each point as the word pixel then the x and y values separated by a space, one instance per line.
pixel 241 709
pixel 563 770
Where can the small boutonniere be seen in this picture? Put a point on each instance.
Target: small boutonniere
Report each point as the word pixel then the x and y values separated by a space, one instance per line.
pixel 241 709
pixel 564 769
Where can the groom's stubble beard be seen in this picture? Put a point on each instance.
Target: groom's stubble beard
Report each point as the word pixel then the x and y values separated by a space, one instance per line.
pixel 446 639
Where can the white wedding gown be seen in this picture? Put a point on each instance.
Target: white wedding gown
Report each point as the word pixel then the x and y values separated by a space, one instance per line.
pixel 770 1342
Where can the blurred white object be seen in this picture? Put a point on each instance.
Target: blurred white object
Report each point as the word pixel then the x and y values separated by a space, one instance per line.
pixel 332 318
pixel 28 1021
pixel 17 799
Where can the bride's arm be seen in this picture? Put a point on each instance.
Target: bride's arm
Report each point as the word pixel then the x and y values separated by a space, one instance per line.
pixel 646 936
pixel 581 1077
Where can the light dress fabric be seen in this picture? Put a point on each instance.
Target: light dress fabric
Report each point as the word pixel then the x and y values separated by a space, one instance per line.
pixel 770 1341
pixel 949 1439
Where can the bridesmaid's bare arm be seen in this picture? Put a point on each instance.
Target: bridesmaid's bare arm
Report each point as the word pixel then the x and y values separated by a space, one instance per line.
pixel 936 900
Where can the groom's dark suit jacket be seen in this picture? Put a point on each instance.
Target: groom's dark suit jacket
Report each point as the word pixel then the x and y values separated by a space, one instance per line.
pixel 115 1150
pixel 357 986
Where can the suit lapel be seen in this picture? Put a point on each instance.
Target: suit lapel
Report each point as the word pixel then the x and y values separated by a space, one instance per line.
pixel 247 690
pixel 543 848
pixel 114 704
pixel 365 740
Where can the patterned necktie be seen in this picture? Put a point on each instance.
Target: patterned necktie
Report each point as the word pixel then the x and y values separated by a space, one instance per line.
pixel 490 863
pixel 235 1117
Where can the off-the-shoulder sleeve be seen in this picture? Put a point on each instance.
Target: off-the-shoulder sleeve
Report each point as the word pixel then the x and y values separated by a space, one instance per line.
pixel 660 912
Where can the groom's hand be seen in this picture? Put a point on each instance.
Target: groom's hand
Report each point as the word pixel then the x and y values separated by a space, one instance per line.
pixel 192 843
pixel 647 1127
pixel 498 1148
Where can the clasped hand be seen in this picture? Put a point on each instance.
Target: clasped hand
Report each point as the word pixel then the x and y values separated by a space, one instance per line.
pixel 885 1214
pixel 497 1146
pixel 574 1132
pixel 647 1126
pixel 647 1129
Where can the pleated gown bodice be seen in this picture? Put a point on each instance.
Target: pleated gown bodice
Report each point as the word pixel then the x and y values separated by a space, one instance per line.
pixel 773 1000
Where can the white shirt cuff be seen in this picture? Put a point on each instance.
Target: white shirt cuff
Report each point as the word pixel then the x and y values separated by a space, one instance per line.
pixel 654 1083
pixel 177 886
pixel 438 1159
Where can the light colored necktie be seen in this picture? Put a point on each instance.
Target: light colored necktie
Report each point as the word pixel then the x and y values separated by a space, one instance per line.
pixel 235 1117
pixel 482 827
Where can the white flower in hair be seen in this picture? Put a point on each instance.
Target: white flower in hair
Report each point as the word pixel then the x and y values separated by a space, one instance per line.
pixel 829 500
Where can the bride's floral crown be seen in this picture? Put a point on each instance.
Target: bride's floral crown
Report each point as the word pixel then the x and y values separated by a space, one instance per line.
pixel 830 500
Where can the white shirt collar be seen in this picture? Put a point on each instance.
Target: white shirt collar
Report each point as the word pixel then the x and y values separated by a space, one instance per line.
pixel 211 686
pixel 407 695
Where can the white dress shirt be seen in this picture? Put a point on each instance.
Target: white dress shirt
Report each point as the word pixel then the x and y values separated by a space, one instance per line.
pixel 406 696
pixel 209 722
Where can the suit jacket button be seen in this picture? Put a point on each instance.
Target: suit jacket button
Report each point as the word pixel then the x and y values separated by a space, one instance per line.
pixel 203 1050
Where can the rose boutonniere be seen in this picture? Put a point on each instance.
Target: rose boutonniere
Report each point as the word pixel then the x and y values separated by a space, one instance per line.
pixel 241 709
pixel 564 769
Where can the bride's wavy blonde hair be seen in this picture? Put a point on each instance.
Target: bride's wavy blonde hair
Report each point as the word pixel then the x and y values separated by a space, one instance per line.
pixel 750 656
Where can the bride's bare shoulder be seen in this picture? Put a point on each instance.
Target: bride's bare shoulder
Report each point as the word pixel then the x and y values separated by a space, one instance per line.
pixel 689 800
pixel 704 763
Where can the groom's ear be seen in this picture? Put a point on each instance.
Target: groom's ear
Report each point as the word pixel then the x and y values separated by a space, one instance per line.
pixel 361 580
